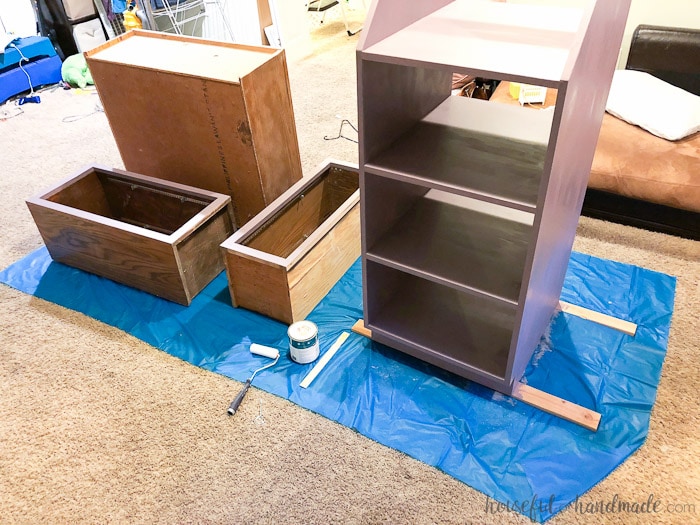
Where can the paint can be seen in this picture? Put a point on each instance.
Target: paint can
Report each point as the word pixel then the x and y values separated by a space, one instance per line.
pixel 303 342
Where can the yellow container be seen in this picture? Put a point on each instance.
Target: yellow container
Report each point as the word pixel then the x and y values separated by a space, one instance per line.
pixel 514 90
pixel 131 20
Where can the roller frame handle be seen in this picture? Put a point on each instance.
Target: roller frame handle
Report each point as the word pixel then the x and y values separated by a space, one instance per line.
pixel 233 407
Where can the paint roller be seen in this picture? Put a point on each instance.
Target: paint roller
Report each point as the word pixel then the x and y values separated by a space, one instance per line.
pixel 255 348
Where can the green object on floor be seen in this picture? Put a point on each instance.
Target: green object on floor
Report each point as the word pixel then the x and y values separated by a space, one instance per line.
pixel 74 71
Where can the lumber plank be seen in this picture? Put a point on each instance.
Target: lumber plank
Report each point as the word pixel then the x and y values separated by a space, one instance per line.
pixel 626 327
pixel 359 328
pixel 534 397
pixel 557 406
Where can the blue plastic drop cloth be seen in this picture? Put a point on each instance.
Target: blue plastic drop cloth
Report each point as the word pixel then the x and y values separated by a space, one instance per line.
pixel 517 455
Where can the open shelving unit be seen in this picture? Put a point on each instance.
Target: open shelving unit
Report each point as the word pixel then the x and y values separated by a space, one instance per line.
pixel 470 207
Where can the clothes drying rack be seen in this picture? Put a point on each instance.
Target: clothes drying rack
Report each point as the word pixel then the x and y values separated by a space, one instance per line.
pixel 181 17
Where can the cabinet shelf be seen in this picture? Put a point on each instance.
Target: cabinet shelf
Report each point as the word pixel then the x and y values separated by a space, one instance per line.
pixel 440 324
pixel 488 151
pixel 470 207
pixel 440 239
pixel 490 39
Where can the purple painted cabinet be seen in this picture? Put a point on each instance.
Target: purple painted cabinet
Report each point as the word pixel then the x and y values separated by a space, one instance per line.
pixel 470 207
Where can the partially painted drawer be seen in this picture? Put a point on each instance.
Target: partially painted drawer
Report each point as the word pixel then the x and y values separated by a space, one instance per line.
pixel 287 258
pixel 158 236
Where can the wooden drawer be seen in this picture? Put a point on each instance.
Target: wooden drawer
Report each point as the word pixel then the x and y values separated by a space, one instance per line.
pixel 208 114
pixel 284 261
pixel 157 236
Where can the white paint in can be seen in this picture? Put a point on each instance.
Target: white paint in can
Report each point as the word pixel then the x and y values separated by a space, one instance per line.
pixel 303 342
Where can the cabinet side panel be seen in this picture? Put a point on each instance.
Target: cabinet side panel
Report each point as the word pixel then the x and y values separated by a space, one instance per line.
pixel 392 98
pixel 579 113
pixel 385 17
pixel 268 102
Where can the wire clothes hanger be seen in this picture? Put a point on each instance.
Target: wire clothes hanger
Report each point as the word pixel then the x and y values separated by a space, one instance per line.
pixel 340 135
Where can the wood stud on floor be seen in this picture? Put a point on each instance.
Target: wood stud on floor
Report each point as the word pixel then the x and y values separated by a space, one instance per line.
pixel 549 403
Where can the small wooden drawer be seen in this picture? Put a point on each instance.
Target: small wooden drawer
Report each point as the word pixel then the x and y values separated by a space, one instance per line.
pixel 287 258
pixel 160 237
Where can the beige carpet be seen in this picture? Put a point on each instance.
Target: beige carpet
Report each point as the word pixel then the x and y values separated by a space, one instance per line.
pixel 98 427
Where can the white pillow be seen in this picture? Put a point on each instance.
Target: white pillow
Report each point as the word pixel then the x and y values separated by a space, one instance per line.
pixel 661 108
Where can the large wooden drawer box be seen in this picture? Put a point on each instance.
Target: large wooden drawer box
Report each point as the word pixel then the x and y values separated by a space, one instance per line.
pixel 209 114
pixel 158 236
pixel 284 261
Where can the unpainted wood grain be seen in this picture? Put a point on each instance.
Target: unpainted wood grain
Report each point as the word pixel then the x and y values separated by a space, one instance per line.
pixel 143 262
pixel 199 257
pixel 270 114
pixel 557 406
pixel 313 277
pixel 202 130
pixel 262 288
pixel 319 244
pixel 623 326
pixel 149 207
pixel 359 328
pixel 287 229
pixel 110 239
pixel 339 185
pixel 84 192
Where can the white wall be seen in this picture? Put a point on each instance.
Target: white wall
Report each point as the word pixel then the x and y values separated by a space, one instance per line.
pixel 679 13
pixel 241 17
pixel 673 13
pixel 18 17
pixel 244 21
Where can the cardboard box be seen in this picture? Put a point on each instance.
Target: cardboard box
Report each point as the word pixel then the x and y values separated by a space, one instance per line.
pixel 208 114
pixel 157 236
pixel 88 35
pixel 77 9
pixel 284 261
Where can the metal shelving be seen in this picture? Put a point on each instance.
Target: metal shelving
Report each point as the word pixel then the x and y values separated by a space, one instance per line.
pixel 181 17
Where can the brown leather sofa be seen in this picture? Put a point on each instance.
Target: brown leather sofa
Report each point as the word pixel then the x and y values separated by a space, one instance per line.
pixel 640 179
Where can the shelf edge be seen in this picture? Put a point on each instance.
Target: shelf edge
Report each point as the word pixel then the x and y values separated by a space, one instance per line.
pixel 374 169
pixel 439 280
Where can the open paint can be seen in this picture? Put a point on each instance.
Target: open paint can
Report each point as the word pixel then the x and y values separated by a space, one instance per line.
pixel 303 342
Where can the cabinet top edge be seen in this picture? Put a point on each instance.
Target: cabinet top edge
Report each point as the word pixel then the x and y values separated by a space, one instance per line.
pixel 533 42
pixel 188 56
